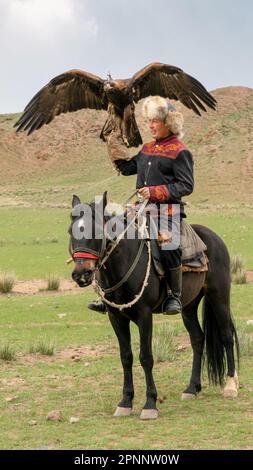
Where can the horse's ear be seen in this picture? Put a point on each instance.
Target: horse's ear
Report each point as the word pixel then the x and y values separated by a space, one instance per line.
pixel 104 200
pixel 75 200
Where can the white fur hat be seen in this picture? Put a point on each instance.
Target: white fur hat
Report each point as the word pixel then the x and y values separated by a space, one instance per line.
pixel 156 107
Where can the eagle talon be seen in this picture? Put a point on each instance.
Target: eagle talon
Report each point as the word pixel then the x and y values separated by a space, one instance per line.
pixel 126 142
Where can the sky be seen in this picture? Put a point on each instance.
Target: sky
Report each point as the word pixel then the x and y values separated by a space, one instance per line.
pixel 209 39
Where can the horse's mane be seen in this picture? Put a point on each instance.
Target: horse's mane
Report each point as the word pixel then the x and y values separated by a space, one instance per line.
pixel 114 209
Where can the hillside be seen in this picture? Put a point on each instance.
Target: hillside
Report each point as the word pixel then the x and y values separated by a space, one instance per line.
pixel 67 156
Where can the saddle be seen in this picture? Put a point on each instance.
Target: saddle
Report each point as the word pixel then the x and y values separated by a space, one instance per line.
pixel 193 250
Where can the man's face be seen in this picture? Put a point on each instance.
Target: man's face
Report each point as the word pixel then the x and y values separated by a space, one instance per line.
pixel 158 128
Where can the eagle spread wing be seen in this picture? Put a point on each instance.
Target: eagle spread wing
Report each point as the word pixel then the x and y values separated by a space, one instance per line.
pixel 170 82
pixel 69 91
pixel 77 89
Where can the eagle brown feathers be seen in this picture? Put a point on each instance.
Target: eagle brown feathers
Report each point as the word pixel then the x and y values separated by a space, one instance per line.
pixel 77 89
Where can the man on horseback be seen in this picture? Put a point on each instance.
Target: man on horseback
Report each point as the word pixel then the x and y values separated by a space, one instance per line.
pixel 164 169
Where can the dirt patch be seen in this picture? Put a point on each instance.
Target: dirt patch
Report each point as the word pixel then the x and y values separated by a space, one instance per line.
pixel 12 382
pixel 183 342
pixel 75 354
pixel 250 276
pixel 39 286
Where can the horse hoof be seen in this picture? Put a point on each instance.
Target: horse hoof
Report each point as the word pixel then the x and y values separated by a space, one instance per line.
pixel 188 396
pixel 231 387
pixel 149 414
pixel 122 411
pixel 230 393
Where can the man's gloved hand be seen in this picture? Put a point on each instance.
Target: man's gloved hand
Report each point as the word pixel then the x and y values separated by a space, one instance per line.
pixel 144 192
pixel 116 148
pixel 113 136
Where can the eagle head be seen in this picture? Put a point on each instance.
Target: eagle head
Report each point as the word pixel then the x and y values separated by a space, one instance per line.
pixel 109 85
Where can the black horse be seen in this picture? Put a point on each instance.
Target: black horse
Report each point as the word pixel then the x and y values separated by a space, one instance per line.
pixel 218 334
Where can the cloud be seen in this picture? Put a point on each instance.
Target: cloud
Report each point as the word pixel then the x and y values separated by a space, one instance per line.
pixel 43 38
pixel 44 20
pixel 40 39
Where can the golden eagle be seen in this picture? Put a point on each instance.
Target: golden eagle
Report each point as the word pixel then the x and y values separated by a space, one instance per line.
pixel 77 89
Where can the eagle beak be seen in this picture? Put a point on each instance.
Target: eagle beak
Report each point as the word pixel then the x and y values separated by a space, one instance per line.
pixel 108 86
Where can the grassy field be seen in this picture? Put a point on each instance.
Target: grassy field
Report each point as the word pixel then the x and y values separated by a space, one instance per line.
pixel 83 379
pixel 34 242
pixel 83 376
pixel 234 226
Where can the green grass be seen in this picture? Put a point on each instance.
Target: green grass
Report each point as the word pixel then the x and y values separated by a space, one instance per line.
pixel 26 245
pixel 235 229
pixel 27 237
pixel 91 388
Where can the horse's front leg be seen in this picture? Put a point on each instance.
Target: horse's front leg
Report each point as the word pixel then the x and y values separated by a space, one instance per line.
pixel 121 327
pixel 145 324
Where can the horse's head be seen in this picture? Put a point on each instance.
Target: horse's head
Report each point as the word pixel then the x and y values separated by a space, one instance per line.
pixel 87 239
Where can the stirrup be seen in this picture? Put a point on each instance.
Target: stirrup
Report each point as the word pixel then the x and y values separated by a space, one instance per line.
pixel 172 306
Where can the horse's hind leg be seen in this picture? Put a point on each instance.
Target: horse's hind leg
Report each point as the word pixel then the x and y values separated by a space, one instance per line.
pixel 197 337
pixel 145 323
pixel 220 308
pixel 121 327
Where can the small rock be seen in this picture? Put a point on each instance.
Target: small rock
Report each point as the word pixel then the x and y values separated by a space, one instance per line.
pixel 11 398
pixel 61 315
pixel 181 348
pixel 73 419
pixel 54 415
pixel 86 364
pixel 32 422
pixel 249 322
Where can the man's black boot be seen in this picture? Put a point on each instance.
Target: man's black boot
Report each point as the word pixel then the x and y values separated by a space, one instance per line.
pixel 172 304
pixel 97 306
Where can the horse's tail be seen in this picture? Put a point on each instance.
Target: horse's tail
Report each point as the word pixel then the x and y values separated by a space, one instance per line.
pixel 215 350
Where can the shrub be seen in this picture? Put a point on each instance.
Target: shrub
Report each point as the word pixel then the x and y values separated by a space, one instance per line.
pixel 237 263
pixel 44 347
pixel 164 344
pixel 246 343
pixel 238 271
pixel 240 277
pixel 7 281
pixel 53 283
pixel 7 353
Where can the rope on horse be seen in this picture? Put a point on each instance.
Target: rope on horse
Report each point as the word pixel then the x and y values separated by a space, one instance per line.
pixel 137 297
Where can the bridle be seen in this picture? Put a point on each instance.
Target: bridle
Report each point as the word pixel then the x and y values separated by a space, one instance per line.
pixel 104 253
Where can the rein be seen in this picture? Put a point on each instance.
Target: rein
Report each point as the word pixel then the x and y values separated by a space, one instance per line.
pixel 106 254
pixel 98 289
